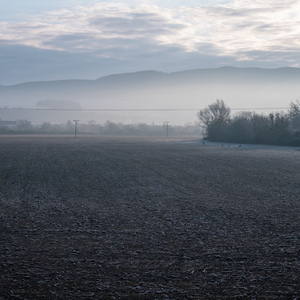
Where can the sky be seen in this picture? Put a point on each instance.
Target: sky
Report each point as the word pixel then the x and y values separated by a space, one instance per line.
pixel 63 39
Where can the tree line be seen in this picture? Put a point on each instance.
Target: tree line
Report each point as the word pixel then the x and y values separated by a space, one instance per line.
pixel 278 128
pixel 108 128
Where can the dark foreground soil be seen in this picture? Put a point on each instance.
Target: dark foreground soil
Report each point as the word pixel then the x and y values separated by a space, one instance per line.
pixel 97 218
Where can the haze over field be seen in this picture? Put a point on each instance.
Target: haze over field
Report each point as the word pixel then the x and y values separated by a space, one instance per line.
pixel 63 41
pixel 152 96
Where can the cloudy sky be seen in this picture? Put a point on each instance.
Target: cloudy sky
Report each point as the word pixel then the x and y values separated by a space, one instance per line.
pixel 87 39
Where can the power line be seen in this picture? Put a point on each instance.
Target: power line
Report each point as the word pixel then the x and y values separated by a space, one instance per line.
pixel 136 109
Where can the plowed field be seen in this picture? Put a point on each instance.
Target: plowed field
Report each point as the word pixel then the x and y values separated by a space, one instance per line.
pixel 116 218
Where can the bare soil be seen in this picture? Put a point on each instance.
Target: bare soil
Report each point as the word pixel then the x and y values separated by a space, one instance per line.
pixel 116 218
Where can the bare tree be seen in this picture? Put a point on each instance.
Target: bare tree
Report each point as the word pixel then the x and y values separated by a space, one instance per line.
pixel 214 119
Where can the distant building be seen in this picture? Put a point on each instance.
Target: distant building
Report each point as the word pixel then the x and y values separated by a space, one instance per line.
pixel 8 124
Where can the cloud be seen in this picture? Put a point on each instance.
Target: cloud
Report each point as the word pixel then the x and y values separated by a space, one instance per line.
pixel 231 27
pixel 131 36
pixel 244 26
pixel 87 28
pixel 137 24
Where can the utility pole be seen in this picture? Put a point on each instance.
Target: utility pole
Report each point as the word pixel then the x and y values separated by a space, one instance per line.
pixel 76 122
pixel 167 128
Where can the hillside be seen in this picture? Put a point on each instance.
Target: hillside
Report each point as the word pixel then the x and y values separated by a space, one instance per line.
pixel 194 89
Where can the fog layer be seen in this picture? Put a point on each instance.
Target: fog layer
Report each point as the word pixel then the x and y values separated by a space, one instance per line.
pixel 151 96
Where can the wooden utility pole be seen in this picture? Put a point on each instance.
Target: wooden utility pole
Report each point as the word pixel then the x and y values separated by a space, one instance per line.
pixel 167 128
pixel 76 122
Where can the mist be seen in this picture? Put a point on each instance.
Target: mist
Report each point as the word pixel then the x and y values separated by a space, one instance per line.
pixel 150 96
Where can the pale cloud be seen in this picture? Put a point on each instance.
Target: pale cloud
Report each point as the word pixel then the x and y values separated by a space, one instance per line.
pixel 268 26
pixel 87 28
pixel 146 33
pixel 231 28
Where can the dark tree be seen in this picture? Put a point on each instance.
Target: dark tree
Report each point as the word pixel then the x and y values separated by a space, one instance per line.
pixel 215 119
pixel 294 114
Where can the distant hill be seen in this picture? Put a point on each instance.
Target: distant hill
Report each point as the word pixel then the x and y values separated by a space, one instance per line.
pixel 194 89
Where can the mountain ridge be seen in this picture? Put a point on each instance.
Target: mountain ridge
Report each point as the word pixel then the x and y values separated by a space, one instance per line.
pixel 238 87
pixel 132 75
